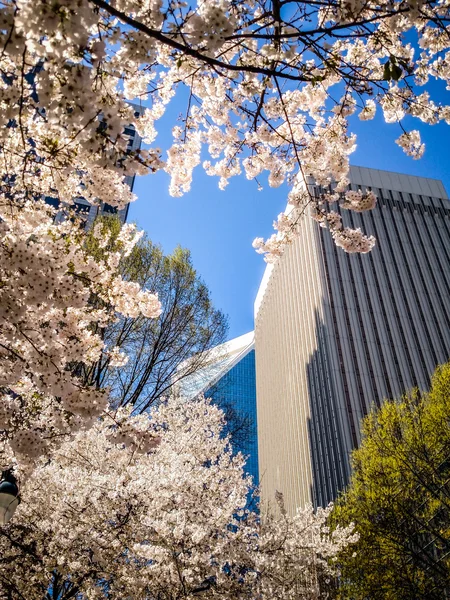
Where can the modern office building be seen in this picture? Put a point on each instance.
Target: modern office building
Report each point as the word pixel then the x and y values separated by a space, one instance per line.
pixel 337 332
pixel 229 379
pixel 90 212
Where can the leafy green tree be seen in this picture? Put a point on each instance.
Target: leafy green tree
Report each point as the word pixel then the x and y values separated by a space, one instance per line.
pixel 161 351
pixel 399 499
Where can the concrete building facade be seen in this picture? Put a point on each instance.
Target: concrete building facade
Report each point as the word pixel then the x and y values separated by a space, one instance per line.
pixel 337 332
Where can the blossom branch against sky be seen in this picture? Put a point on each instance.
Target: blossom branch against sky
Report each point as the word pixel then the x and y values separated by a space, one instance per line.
pixel 272 87
pixel 53 296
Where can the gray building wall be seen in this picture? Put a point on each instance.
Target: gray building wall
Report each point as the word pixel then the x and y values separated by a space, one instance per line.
pixel 336 332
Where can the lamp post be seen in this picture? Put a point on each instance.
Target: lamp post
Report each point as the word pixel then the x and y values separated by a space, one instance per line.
pixel 9 496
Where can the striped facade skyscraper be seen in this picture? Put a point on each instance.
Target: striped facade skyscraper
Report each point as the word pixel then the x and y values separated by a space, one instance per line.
pixel 337 332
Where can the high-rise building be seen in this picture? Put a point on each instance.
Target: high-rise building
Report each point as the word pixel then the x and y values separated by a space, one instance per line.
pixel 90 212
pixel 229 379
pixel 337 332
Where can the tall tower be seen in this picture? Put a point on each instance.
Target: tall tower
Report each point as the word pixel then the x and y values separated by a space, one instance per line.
pixel 90 212
pixel 229 380
pixel 337 332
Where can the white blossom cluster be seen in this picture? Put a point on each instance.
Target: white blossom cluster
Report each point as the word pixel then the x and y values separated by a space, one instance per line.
pixel 359 201
pixel 259 100
pixel 210 25
pixel 350 240
pixel 353 240
pixel 411 144
pixel 47 319
pixel 273 247
pixel 107 521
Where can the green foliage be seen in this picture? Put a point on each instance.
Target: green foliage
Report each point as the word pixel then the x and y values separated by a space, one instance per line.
pixel 394 69
pixel 110 223
pixel 399 499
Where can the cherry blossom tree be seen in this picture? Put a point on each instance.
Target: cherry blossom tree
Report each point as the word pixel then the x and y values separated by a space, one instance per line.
pixel 156 509
pixel 47 285
pixel 271 86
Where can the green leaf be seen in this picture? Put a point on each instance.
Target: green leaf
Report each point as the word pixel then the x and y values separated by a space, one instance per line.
pixel 396 72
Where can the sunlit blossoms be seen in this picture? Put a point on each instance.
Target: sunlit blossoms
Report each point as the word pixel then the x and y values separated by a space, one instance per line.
pixel 158 510
pixel 412 144
pixel 271 86
pixel 321 211
pixel 273 247
pixel 54 301
pixel 359 201
pixel 353 240
pixel 368 111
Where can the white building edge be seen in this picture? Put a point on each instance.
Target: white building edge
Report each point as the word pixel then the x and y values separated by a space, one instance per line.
pixel 221 360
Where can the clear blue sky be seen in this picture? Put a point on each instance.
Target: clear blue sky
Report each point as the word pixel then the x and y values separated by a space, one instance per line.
pixel 219 226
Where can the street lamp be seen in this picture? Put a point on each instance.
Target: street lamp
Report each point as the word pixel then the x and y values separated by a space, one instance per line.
pixel 9 496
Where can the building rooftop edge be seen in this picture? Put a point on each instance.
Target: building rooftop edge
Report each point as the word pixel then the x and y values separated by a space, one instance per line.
pixel 395 172
pixel 222 359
